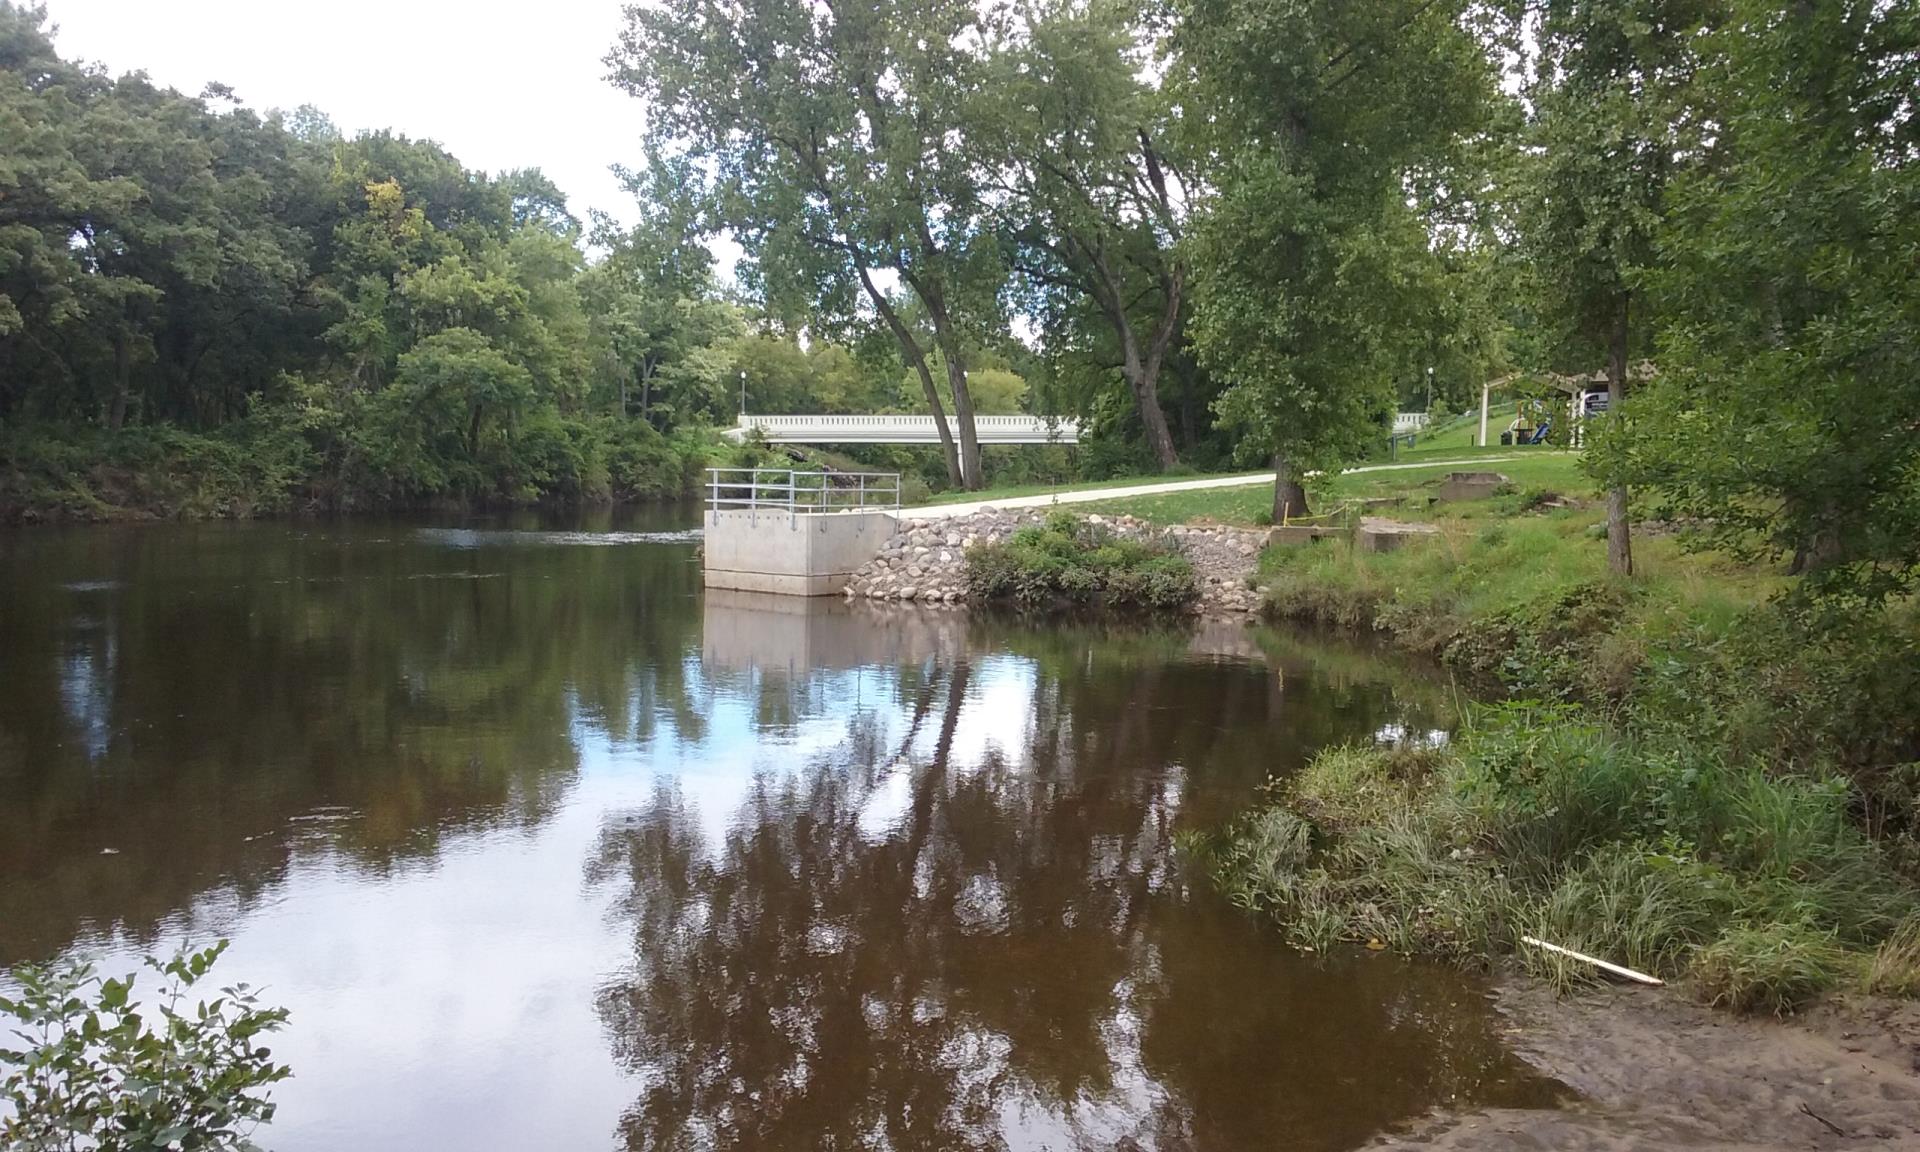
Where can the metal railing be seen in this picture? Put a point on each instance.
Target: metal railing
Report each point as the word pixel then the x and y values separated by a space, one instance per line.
pixel 904 429
pixel 787 490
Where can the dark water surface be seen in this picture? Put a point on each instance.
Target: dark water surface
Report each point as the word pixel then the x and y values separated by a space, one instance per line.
pixel 545 849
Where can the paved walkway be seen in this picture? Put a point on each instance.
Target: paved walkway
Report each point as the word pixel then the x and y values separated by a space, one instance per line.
pixel 1161 488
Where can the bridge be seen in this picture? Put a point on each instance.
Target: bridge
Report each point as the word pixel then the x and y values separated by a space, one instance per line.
pixel 902 429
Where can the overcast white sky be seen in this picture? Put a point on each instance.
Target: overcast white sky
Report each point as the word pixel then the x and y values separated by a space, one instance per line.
pixel 499 85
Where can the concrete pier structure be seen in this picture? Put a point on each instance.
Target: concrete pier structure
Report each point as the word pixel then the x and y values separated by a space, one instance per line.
pixel 795 533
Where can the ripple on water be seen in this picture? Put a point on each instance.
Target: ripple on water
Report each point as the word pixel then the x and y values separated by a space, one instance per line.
pixel 520 538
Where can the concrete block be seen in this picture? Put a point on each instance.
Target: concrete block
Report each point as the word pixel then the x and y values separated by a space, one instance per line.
pixel 1470 485
pixel 1302 533
pixel 1378 534
pixel 794 554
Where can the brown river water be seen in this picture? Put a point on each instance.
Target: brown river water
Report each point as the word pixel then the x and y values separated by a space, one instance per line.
pixel 544 848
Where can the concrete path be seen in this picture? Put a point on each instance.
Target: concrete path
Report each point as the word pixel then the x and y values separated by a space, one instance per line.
pixel 1161 488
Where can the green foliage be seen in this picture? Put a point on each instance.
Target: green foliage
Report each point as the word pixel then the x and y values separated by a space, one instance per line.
pixel 208 313
pixel 1309 258
pixel 257 465
pixel 837 149
pixel 1073 561
pixel 1780 423
pixel 103 1070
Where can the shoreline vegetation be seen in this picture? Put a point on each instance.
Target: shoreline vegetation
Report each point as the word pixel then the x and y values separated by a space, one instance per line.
pixel 269 468
pixel 1687 771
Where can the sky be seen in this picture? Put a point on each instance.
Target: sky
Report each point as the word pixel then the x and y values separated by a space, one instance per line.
pixel 499 85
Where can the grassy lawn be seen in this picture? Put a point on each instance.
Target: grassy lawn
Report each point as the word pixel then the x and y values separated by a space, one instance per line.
pixel 1544 469
pixel 959 496
pixel 1459 432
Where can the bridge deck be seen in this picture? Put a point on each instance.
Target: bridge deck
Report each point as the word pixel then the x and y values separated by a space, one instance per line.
pixel 902 429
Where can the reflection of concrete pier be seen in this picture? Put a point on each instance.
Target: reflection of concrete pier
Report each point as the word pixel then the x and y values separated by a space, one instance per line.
pixel 747 631
pixel 794 533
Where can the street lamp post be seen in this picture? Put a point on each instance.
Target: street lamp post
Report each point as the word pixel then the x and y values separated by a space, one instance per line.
pixel 743 391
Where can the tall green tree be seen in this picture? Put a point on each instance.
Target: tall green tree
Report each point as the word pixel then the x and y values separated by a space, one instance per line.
pixel 1609 83
pixel 654 312
pixel 1081 149
pixel 1783 417
pixel 834 139
pixel 1307 254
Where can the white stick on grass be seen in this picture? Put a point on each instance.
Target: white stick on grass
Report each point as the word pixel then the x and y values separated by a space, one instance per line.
pixel 1616 969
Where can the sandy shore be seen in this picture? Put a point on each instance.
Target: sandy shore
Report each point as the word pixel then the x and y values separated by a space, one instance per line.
pixel 1652 1069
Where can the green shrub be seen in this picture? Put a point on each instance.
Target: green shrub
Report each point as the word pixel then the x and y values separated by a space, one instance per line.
pixel 252 466
pixel 101 1071
pixel 1071 561
pixel 320 451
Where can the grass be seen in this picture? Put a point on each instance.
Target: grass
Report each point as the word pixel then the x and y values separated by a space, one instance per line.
pixel 1754 887
pixel 1895 967
pixel 1691 780
pixel 1463 430
pixel 1539 469
pixel 1011 491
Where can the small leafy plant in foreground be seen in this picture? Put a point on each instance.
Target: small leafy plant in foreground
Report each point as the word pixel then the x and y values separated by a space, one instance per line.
pixel 88 1067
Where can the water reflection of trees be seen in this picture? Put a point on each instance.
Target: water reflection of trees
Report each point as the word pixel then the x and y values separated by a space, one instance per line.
pixel 205 700
pixel 1013 961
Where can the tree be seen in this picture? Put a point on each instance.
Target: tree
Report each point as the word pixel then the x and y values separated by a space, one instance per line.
pixel 653 310
pixel 1307 254
pixel 263 313
pixel 1608 86
pixel 833 136
pixel 1783 418
pixel 141 246
pixel 1093 202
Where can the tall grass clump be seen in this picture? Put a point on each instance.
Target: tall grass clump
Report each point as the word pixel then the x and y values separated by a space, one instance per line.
pixel 1067 560
pixel 1895 967
pixel 1757 887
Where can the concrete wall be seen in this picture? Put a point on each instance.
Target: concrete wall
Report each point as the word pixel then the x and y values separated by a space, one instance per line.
pixel 790 553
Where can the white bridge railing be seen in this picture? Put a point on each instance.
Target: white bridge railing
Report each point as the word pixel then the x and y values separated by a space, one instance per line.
pixel 786 490
pixel 898 429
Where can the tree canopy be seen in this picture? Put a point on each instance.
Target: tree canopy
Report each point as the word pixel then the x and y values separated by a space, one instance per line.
pixel 1215 231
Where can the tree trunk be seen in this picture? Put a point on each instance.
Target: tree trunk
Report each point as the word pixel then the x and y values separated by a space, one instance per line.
pixel 122 376
pixel 1146 398
pixel 963 414
pixel 911 350
pixel 951 352
pixel 1619 538
pixel 646 393
pixel 1142 372
pixel 1289 497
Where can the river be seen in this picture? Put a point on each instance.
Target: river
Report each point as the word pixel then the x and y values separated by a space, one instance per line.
pixel 544 848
